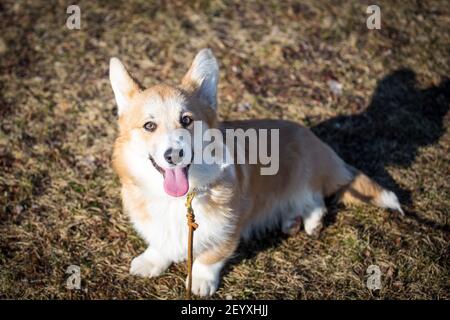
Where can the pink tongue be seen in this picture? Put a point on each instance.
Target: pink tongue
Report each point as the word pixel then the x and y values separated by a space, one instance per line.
pixel 175 182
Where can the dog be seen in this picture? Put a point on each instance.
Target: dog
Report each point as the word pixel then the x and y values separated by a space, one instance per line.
pixel 233 201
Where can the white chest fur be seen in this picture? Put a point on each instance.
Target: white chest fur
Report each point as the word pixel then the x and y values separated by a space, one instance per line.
pixel 167 229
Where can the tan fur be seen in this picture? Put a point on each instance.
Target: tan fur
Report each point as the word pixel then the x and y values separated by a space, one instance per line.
pixel 361 190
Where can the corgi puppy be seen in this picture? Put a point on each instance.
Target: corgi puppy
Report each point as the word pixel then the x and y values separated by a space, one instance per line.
pixel 233 200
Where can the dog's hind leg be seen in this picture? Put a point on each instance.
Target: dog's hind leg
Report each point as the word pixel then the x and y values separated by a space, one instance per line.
pixel 291 219
pixel 291 225
pixel 310 208
pixel 313 211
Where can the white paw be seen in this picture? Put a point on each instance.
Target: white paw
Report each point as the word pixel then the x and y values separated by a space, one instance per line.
pixel 205 278
pixel 148 264
pixel 204 287
pixel 313 228
pixel 313 222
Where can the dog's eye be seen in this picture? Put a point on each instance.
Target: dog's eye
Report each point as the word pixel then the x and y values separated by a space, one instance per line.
pixel 150 126
pixel 186 121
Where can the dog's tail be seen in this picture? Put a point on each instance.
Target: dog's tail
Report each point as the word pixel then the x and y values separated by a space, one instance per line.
pixel 362 189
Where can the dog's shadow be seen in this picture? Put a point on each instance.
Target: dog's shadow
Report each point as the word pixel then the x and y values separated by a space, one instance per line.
pixel 399 120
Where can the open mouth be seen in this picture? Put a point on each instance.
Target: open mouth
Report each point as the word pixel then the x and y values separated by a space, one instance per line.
pixel 176 183
pixel 157 167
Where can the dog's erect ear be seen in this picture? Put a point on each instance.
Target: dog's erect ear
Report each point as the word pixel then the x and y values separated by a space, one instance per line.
pixel 123 85
pixel 203 76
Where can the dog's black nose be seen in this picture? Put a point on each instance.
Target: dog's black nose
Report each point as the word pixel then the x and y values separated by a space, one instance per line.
pixel 173 156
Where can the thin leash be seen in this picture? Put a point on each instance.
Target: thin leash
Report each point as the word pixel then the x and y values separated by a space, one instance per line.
pixel 192 226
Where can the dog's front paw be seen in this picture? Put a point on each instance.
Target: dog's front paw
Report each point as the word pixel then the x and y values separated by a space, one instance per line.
pixel 204 287
pixel 141 266
pixel 148 264
pixel 205 278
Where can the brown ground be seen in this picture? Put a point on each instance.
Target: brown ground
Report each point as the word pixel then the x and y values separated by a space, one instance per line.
pixel 59 199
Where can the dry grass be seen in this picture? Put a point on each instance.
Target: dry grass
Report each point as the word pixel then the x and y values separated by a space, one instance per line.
pixel 59 199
